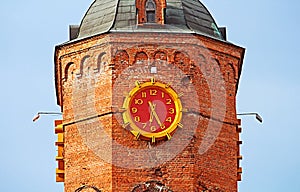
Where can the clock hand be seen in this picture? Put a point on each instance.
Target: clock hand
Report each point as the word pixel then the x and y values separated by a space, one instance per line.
pixel 154 113
pixel 151 115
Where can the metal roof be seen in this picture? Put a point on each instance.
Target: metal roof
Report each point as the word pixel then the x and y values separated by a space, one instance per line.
pixel 183 16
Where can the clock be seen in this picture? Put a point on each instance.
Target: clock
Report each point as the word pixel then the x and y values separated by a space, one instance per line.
pixel 153 110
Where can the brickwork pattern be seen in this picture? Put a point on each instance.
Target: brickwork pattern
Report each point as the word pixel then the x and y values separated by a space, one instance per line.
pixel 92 76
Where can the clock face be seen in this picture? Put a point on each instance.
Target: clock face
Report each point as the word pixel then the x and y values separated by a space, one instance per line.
pixel 153 110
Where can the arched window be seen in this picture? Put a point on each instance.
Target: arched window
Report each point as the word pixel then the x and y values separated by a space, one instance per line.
pixel 150 11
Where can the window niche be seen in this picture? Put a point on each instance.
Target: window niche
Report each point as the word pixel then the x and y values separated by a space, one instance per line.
pixel 150 11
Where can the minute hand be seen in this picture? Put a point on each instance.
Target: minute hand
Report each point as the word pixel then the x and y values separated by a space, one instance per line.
pixel 154 113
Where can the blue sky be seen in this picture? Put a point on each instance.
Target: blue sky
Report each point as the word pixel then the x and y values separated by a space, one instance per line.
pixel 269 85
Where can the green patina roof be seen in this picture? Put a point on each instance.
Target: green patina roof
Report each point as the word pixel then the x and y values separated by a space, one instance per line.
pixel 183 16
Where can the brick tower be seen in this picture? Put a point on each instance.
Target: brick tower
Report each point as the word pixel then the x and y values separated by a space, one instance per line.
pixel 147 89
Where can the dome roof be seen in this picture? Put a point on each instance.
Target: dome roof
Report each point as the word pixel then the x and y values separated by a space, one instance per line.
pixel 183 16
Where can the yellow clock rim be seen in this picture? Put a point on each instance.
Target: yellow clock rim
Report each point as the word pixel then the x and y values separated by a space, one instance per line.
pixel 126 115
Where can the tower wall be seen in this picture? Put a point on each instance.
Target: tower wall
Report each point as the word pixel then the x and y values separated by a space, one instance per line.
pixel 94 75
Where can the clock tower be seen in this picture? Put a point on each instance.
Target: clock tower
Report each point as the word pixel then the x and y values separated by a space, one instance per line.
pixel 147 89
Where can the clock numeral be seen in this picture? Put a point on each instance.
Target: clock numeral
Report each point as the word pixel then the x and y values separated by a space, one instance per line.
pixel 153 92
pixel 169 119
pixel 171 110
pixel 144 94
pixel 138 101
pixel 134 110
pixel 153 128
pixel 137 119
pixel 169 101
pixel 162 126
pixel 162 95
pixel 144 125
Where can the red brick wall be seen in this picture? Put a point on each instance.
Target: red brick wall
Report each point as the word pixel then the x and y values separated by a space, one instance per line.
pixel 92 76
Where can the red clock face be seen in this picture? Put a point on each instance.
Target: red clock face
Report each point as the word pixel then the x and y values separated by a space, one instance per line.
pixel 152 109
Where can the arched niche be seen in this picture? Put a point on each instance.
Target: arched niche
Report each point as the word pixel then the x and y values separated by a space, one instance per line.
pixel 202 60
pixel 230 73
pixel 140 57
pixel 159 58
pixel 209 68
pixel 121 58
pixel 101 62
pixel 69 71
pixel 160 55
pixel 229 77
pixel 84 68
pixel 181 58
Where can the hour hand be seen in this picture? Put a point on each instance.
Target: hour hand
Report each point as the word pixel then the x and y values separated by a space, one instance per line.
pixel 153 113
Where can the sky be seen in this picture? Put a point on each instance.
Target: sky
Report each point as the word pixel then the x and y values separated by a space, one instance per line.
pixel 269 85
